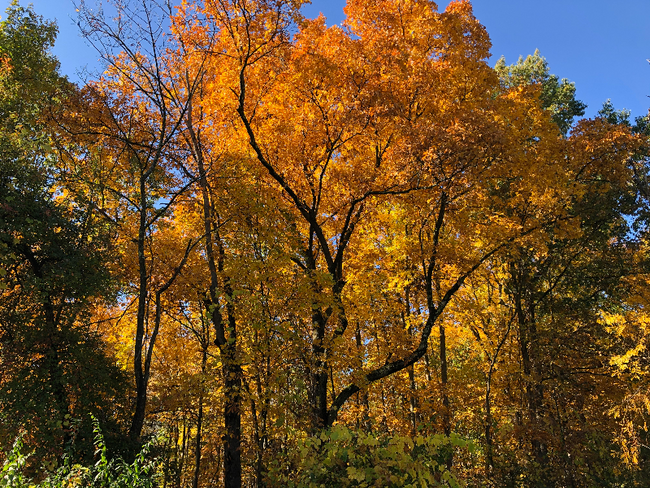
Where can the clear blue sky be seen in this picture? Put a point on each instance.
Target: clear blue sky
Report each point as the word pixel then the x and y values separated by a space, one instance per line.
pixel 601 45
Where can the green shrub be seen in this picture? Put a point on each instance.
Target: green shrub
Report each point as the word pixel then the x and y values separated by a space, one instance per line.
pixel 341 458
pixel 105 473
pixel 12 470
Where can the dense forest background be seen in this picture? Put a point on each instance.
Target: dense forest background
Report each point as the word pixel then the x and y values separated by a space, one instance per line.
pixel 258 251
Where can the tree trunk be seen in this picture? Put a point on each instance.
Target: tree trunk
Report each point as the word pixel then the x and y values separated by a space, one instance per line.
pixel 199 419
pixel 446 413
pixel 489 448
pixel 55 367
pixel 232 417
pixel 226 340
pixel 364 394
pixel 141 379
pixel 319 382
pixel 528 339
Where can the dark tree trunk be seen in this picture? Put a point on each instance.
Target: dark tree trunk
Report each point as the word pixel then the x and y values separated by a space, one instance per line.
pixel 489 448
pixel 319 374
pixel 199 418
pixel 55 367
pixel 233 375
pixel 364 394
pixel 444 380
pixel 225 336
pixel 529 340
pixel 141 378
pixel 232 417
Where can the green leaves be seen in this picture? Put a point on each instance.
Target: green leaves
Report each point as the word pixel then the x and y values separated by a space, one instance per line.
pixel 341 457
pixel 52 255
pixel 11 475
pixel 28 72
pixel 107 472
pixel 556 96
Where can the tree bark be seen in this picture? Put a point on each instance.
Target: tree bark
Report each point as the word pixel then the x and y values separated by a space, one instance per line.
pixel 444 381
pixel 528 339
pixel 141 379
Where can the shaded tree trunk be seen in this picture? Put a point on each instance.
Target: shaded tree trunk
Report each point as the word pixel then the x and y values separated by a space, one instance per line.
pixel 199 419
pixel 225 335
pixel 529 340
pixel 444 381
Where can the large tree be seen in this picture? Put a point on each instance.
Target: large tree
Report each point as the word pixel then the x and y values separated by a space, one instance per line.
pixel 401 163
pixel 52 255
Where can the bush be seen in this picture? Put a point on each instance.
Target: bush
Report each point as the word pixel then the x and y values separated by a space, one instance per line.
pixel 341 458
pixel 107 473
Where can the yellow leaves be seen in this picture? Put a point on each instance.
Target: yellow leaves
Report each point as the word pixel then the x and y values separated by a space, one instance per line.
pixel 632 327
pixel 622 361
pixel 351 180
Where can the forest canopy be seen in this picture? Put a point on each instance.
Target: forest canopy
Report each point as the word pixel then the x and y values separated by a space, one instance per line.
pixel 260 251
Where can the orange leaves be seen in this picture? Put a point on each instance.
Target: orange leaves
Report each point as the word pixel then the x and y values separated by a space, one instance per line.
pixel 341 185
pixel 598 149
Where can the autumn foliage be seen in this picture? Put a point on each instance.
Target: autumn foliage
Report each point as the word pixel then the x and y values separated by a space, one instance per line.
pixel 303 255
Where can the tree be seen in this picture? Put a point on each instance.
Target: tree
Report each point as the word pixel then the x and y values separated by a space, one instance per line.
pixel 557 96
pixel 126 125
pixel 352 139
pixel 553 293
pixel 53 252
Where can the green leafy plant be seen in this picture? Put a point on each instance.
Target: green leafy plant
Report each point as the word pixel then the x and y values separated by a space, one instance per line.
pixel 106 472
pixel 341 457
pixel 12 470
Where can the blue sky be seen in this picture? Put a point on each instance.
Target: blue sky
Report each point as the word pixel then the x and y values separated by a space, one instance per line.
pixel 603 46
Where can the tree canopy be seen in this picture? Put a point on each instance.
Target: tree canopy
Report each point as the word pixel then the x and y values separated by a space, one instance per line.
pixel 303 255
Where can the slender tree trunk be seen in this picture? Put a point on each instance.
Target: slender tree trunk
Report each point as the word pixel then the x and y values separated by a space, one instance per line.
pixel 260 416
pixel 259 459
pixel 143 369
pixel 528 338
pixel 413 401
pixel 489 448
pixel 199 419
pixel 566 456
pixel 56 372
pixel 446 413
pixel 427 368
pixel 444 379
pixel 143 291
pixel 364 394
pixel 413 406
pixel 197 444
pixel 225 337
pixel 489 445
